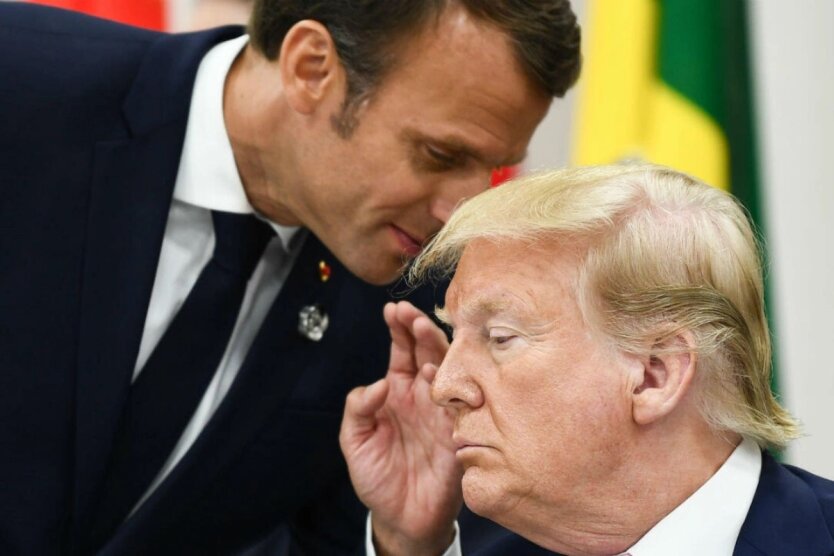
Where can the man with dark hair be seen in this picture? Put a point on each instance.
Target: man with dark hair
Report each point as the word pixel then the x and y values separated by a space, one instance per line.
pixel 198 230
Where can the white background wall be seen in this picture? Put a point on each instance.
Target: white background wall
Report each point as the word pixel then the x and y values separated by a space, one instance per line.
pixel 794 58
pixel 793 49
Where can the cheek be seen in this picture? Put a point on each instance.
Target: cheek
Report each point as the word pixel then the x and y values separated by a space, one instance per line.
pixel 584 445
pixel 545 421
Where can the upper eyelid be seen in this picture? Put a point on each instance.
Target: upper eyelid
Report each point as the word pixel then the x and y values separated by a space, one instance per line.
pixel 446 155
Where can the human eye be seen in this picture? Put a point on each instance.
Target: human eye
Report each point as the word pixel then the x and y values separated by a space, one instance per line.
pixel 442 159
pixel 501 336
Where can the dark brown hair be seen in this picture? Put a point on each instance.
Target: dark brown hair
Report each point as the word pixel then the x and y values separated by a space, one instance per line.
pixel 366 32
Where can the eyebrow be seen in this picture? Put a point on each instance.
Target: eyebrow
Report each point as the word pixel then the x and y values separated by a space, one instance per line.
pixel 479 307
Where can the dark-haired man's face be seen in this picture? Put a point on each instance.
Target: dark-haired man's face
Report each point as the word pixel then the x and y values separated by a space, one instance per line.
pixel 455 106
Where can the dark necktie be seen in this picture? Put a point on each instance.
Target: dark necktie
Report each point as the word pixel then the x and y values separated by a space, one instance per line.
pixel 173 381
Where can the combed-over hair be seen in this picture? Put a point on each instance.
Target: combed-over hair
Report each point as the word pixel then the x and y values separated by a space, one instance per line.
pixel 665 253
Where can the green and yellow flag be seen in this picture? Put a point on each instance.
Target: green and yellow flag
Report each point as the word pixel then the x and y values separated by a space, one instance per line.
pixel 668 81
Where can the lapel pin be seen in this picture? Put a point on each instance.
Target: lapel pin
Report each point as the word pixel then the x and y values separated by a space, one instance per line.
pixel 312 322
pixel 324 271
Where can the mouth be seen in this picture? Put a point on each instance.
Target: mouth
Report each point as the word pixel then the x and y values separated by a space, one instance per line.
pixel 411 245
pixel 463 445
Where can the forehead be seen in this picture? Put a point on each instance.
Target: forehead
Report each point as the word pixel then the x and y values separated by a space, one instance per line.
pixel 523 278
pixel 460 76
pixel 460 49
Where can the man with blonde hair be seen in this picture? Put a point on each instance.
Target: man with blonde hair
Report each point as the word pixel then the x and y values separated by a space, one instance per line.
pixel 607 388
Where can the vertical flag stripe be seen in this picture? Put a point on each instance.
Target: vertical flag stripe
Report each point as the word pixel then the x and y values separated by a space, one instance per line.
pixel 649 89
pixel 615 81
pixel 681 135
pixel 689 54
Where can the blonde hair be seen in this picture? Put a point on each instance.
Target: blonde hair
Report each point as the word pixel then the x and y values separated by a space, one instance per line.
pixel 665 254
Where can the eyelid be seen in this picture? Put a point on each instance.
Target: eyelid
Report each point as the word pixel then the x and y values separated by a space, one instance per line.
pixel 501 332
pixel 442 154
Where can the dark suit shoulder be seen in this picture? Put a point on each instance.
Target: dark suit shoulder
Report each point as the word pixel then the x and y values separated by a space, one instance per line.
pixel 792 513
pixel 55 47
pixel 64 73
pixel 821 488
pixel 34 21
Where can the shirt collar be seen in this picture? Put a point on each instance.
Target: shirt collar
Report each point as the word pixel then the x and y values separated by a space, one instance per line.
pixel 208 176
pixel 709 521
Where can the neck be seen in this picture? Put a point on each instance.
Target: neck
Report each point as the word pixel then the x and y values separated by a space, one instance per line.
pixel 656 476
pixel 252 101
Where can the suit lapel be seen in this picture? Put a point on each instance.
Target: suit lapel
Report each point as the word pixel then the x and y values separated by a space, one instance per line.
pixel 784 517
pixel 133 179
pixel 266 381
pixel 128 210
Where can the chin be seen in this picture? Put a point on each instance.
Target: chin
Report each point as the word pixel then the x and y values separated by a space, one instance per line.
pixel 379 279
pixel 379 274
pixel 482 495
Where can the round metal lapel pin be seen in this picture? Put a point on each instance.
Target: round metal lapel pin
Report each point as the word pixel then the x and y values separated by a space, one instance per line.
pixel 312 322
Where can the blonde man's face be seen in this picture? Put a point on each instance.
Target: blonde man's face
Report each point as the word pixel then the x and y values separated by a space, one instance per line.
pixel 542 404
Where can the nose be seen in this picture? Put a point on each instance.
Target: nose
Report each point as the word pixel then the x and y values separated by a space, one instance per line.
pixel 453 386
pixel 450 193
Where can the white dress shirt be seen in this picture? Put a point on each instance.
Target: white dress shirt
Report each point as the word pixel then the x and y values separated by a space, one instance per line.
pixel 453 550
pixel 207 180
pixel 708 522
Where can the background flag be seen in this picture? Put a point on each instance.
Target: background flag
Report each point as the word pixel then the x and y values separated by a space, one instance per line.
pixel 144 13
pixel 668 81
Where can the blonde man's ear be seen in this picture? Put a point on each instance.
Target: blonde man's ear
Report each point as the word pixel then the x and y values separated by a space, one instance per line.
pixel 664 378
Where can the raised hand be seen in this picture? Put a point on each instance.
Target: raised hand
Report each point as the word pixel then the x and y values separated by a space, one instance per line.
pixel 398 443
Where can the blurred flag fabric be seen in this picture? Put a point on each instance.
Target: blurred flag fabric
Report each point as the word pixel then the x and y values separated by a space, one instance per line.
pixel 143 13
pixel 502 174
pixel 669 81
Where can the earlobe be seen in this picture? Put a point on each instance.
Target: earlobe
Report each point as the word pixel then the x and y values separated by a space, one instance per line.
pixel 309 65
pixel 664 378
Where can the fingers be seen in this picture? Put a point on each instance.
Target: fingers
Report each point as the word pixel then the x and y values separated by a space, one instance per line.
pixel 417 339
pixel 364 401
pixel 431 344
pixel 359 419
pixel 402 342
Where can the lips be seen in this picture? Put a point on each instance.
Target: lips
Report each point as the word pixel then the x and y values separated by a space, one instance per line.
pixel 410 244
pixel 463 443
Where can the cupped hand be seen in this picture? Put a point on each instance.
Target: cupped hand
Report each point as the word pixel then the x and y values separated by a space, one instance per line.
pixel 398 443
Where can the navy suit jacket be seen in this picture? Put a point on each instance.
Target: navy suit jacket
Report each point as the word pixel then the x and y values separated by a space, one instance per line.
pixel 792 513
pixel 92 121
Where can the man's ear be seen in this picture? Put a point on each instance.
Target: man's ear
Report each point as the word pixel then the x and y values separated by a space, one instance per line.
pixel 310 66
pixel 666 377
